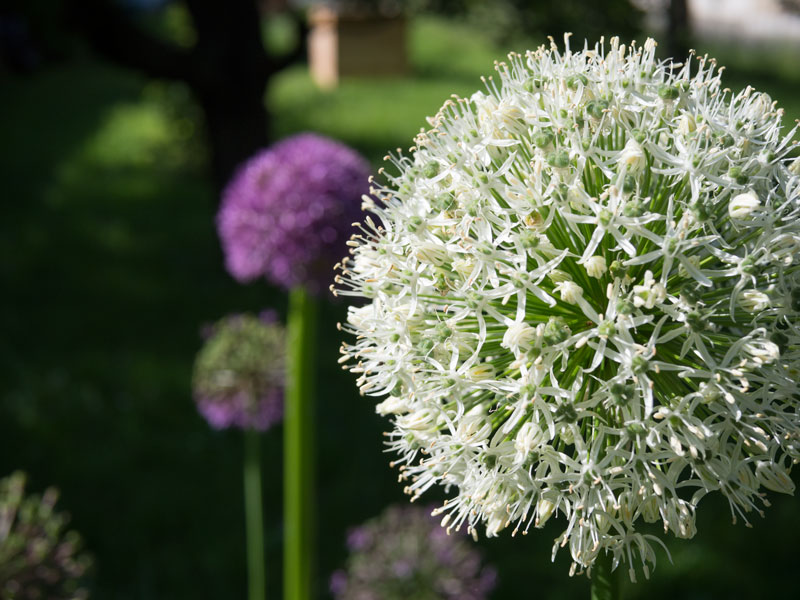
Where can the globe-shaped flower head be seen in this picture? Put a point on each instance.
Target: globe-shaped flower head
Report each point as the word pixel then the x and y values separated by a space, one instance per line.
pixel 239 373
pixel 287 213
pixel 403 554
pixel 38 557
pixel 584 294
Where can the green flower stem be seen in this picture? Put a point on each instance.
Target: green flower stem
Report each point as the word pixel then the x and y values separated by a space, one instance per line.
pixel 605 583
pixel 253 511
pixel 298 453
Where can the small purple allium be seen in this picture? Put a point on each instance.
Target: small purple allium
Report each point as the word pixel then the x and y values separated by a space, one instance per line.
pixel 287 212
pixel 405 553
pixel 38 558
pixel 238 375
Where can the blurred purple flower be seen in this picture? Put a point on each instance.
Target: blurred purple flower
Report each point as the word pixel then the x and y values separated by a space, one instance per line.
pixel 287 212
pixel 238 378
pixel 338 582
pixel 405 553
pixel 358 538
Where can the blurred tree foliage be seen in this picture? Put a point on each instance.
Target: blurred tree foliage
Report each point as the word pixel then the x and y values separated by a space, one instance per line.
pixel 215 49
pixel 509 21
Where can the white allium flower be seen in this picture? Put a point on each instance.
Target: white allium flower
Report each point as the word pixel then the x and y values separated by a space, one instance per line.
pixel 583 290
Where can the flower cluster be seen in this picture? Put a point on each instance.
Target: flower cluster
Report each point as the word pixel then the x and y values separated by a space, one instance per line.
pixel 38 559
pixel 584 293
pixel 404 553
pixel 238 376
pixel 288 211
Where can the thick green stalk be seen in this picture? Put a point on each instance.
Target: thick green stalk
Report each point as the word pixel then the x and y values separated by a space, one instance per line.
pixel 605 583
pixel 299 434
pixel 254 511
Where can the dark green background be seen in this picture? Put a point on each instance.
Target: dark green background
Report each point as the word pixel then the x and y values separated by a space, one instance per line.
pixel 109 265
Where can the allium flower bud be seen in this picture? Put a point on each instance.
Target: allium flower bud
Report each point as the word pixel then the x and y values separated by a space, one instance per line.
pixel 761 352
pixel 238 378
pixel 570 291
pixel 622 265
pixel 287 213
pixel 686 124
pixel 596 267
pixel 743 205
pixel 518 336
pixel 528 438
pixel 404 551
pixel 633 157
pixel 38 558
pixel 753 301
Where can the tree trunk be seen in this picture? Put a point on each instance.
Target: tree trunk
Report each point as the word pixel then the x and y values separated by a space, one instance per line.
pixel 231 82
pixel 227 69
pixel 678 29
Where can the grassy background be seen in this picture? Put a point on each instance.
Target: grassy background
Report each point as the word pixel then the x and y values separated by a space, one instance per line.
pixel 109 266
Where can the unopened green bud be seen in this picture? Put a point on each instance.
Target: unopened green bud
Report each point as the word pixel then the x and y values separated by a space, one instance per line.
pixel 633 208
pixel 558 159
pixel 668 92
pixel 431 169
pixel 617 269
pixel 566 412
pixel 443 202
pixel 629 184
pixel 474 300
pixel 542 139
pixel 737 175
pixel 442 332
pixel 532 85
pixel 625 307
pixel 596 108
pixel 556 330
pixel 574 80
pixel 622 393
pixel 639 364
pixel 529 239
pixel 700 211
pixel 606 328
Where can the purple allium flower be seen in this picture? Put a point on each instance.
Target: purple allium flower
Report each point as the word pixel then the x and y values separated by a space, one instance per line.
pixel 287 212
pixel 238 375
pixel 405 553
pixel 38 559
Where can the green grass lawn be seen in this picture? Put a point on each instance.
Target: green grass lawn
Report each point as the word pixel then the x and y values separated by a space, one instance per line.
pixel 109 266
pixel 382 114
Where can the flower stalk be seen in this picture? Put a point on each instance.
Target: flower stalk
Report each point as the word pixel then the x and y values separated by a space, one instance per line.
pixel 299 448
pixel 254 519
